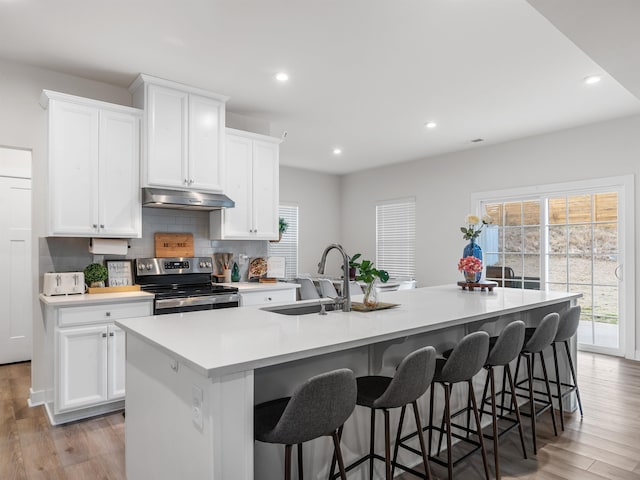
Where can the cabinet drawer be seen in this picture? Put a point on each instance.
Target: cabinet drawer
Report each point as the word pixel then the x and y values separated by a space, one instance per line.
pixel 102 313
pixel 265 298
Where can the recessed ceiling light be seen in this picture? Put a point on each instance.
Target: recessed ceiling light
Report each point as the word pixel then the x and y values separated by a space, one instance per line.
pixel 430 125
pixel 282 77
pixel 592 79
pixel 337 151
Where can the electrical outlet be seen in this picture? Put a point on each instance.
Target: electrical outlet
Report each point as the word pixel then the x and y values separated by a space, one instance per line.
pixel 243 257
pixel 197 400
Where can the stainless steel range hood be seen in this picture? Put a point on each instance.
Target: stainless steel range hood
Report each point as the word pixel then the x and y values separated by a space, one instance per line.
pixel 177 199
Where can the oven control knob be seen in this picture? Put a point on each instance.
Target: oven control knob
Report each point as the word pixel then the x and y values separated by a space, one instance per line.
pixel 142 266
pixel 201 264
pixel 208 264
pixel 149 266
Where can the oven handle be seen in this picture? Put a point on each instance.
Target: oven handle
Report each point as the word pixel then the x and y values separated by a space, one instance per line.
pixel 192 301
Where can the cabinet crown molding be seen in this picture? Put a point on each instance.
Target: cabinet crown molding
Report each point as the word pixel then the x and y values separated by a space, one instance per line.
pixel 48 95
pixel 143 78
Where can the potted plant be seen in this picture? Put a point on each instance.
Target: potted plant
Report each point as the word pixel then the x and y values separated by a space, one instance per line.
pixel 369 274
pixel 353 266
pixel 95 275
pixel 282 228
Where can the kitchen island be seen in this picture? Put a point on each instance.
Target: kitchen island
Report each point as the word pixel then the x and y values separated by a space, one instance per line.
pixel 193 379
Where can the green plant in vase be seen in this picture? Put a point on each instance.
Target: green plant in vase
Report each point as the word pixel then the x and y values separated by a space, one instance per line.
pixel 95 275
pixel 369 274
pixel 353 266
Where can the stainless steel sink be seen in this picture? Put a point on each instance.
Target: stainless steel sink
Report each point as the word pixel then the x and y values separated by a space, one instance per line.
pixel 301 309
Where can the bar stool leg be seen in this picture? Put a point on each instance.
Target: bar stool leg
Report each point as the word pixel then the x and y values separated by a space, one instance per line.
pixel 287 462
pixel 479 429
pixel 387 444
pixel 548 387
pixel 300 467
pixel 372 442
pixel 425 457
pixel 494 420
pixel 558 385
pixel 431 394
pixel 532 402
pixel 447 414
pixel 338 452
pixel 398 436
pixel 514 403
pixel 573 375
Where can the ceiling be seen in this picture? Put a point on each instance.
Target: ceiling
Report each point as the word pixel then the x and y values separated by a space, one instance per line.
pixel 365 75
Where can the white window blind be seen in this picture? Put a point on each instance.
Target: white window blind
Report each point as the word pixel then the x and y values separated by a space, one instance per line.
pixel 396 237
pixel 288 245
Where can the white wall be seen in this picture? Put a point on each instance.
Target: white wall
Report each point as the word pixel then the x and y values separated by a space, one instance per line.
pixel 23 125
pixel 318 198
pixel 442 186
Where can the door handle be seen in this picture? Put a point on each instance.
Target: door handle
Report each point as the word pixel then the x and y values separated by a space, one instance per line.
pixel 617 272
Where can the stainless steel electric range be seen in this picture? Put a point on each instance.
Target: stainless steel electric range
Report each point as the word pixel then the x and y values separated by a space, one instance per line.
pixel 182 284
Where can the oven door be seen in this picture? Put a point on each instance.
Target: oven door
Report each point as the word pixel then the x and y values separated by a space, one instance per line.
pixel 192 304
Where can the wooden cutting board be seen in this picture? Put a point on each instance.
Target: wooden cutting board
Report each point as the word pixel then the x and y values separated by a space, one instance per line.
pixel 174 245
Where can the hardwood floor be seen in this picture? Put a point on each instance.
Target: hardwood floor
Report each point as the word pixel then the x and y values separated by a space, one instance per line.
pixel 603 445
pixel 32 449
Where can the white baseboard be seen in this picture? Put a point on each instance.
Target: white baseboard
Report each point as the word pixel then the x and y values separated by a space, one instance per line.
pixel 36 398
pixel 636 356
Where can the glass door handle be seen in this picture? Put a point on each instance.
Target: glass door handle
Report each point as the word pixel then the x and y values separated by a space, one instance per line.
pixel 617 272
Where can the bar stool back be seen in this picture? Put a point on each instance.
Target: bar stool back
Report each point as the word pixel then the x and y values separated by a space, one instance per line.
pixel 542 337
pixel 318 407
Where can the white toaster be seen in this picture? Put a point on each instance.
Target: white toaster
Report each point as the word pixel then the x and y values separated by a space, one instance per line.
pixel 63 283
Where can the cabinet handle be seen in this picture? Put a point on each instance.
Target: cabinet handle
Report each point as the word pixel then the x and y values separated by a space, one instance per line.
pixel 107 314
pixel 95 225
pixel 269 298
pixel 190 181
pixel 101 226
pixel 104 335
pixel 111 334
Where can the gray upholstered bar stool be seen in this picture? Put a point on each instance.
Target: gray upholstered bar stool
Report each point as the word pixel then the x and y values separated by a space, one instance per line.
pixel 503 350
pixel 541 338
pixel 464 362
pixel 319 407
pixel 411 380
pixel 567 328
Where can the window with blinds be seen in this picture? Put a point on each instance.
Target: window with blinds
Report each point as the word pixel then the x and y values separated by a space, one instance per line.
pixel 287 247
pixel 396 237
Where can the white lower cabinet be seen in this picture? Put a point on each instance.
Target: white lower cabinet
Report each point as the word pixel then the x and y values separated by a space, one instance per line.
pixel 88 358
pixel 254 299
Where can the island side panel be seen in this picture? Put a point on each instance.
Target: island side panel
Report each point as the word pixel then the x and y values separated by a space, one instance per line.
pixel 163 441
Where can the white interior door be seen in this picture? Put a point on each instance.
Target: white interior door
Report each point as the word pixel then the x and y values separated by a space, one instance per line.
pixel 15 256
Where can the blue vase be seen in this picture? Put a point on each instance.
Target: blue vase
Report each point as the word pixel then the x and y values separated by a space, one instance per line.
pixel 472 249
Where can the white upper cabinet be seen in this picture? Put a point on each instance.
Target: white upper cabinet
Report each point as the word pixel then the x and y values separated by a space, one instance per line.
pixel 252 169
pixel 183 140
pixel 94 158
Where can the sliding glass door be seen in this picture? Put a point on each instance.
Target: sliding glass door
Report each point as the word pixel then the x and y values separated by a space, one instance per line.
pixel 569 240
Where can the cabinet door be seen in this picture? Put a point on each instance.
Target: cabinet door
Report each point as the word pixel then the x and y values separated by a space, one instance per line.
pixel 116 362
pixel 119 161
pixel 73 169
pixel 81 378
pixel 206 130
pixel 265 190
pixel 238 220
pixel 166 162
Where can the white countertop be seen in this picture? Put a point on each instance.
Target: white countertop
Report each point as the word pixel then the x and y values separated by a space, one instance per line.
pixel 224 341
pixel 89 298
pixel 260 287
